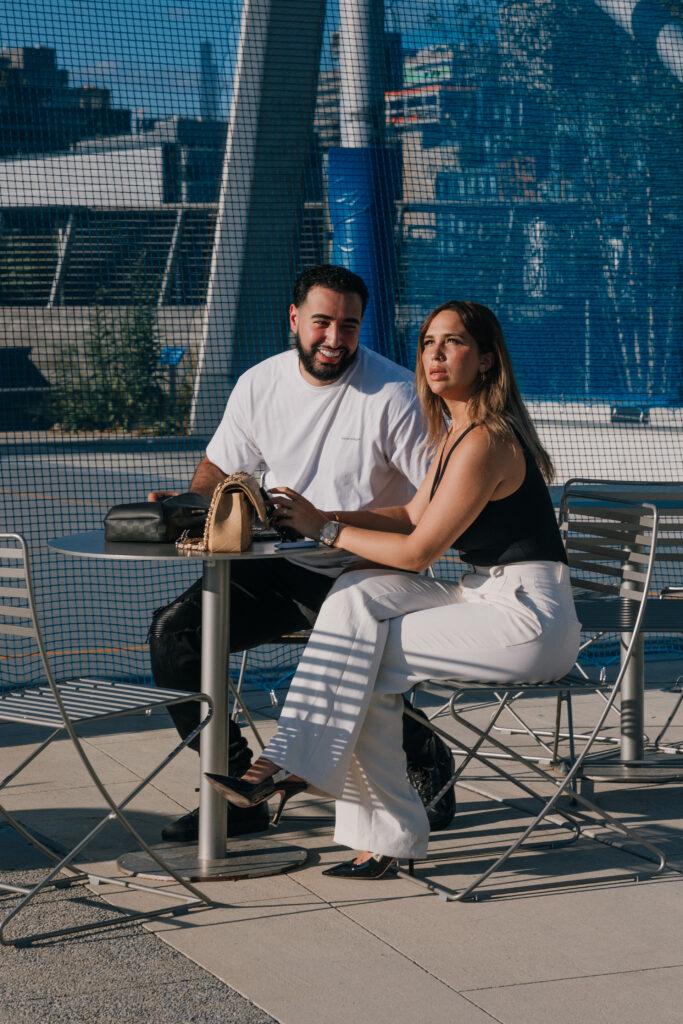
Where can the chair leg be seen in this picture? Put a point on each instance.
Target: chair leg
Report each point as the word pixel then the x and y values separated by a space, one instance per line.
pixel 569 816
pixel 31 757
pixel 237 690
pixel 561 786
pixel 524 729
pixel 183 903
pixel 533 733
pixel 564 697
pixel 474 753
pixel 39 842
pixel 538 733
pixel 676 746
pixel 237 699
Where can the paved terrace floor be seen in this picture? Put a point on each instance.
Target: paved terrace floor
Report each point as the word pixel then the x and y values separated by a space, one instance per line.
pixel 564 935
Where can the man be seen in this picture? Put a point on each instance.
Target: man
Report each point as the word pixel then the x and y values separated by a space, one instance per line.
pixel 335 421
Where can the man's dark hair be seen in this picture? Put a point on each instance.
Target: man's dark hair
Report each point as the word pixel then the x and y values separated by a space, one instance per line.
pixel 327 275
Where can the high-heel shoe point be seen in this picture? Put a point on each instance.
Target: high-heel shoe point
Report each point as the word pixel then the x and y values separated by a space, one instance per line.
pixel 373 867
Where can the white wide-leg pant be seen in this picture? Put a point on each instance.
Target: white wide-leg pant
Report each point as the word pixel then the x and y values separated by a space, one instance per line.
pixel 378 633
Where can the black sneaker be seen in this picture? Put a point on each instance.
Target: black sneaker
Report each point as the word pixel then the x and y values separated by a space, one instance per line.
pixel 241 821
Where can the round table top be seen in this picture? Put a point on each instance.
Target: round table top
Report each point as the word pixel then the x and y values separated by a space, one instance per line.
pixel 93 545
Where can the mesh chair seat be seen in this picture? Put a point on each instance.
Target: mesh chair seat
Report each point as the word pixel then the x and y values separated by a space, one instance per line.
pixel 84 700
pixel 61 707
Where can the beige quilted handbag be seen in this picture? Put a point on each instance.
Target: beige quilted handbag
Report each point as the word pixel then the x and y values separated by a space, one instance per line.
pixel 230 520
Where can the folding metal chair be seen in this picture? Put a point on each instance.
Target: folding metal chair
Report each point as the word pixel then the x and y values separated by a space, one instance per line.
pixel 61 707
pixel 662 616
pixel 610 546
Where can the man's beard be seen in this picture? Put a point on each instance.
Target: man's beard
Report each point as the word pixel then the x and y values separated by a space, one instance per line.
pixel 325 372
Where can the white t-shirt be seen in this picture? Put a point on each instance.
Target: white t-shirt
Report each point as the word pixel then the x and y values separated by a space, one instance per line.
pixel 354 443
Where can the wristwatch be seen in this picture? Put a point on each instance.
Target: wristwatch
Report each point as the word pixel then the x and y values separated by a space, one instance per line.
pixel 329 533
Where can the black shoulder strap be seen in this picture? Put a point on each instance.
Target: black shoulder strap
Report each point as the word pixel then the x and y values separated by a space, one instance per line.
pixel 441 468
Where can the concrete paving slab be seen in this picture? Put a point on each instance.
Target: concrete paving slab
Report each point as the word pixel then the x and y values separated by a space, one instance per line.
pixel 59 766
pixel 630 998
pixel 304 962
pixel 69 814
pixel 534 938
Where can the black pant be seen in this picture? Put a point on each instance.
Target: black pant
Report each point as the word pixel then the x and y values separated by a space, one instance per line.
pixel 268 597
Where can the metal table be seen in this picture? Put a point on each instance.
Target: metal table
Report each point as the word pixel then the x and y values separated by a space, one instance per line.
pixel 245 858
pixel 633 763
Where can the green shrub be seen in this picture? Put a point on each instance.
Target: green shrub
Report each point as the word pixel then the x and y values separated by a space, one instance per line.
pixel 115 382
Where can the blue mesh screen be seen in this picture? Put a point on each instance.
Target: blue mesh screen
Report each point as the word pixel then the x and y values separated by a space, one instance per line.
pixel 167 169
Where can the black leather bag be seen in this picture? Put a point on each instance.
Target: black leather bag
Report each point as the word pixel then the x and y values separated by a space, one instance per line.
pixel 156 522
pixel 430 766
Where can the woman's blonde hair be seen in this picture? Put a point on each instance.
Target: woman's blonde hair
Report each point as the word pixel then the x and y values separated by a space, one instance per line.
pixel 495 402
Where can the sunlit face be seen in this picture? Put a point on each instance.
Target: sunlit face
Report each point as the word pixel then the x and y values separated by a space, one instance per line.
pixel 451 358
pixel 327 328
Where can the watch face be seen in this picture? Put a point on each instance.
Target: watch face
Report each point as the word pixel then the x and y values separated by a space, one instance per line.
pixel 329 532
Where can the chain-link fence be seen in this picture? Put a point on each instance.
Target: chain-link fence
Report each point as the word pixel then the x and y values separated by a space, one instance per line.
pixel 167 169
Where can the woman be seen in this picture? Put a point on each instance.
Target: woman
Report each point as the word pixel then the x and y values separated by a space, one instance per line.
pixel 380 631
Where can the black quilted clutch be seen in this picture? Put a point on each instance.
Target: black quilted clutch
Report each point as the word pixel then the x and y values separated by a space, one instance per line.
pixel 156 522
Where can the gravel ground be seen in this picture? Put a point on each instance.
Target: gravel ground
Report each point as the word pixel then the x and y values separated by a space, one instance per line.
pixel 124 974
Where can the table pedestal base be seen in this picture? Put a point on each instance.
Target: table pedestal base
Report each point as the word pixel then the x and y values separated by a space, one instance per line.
pixel 246 858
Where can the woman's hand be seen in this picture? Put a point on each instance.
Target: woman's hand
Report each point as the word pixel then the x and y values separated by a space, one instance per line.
pixel 293 511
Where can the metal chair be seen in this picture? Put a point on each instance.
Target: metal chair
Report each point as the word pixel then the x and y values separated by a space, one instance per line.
pixel 610 546
pixel 662 617
pixel 61 707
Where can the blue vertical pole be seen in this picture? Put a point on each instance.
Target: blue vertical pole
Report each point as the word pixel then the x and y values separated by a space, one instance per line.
pixel 362 174
pixel 361 187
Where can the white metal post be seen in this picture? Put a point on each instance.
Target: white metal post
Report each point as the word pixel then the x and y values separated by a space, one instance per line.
pixel 261 197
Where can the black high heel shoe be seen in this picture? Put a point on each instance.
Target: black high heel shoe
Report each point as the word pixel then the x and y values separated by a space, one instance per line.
pixel 373 867
pixel 249 794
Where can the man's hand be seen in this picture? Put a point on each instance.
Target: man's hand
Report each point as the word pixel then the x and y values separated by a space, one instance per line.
pixel 160 495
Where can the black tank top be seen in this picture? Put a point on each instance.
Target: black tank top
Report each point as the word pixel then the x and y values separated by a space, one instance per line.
pixel 519 528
